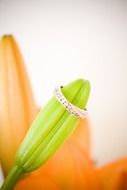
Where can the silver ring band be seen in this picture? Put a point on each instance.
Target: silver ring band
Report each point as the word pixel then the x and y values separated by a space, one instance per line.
pixel 74 110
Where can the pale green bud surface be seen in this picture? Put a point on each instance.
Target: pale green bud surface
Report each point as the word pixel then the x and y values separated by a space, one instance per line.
pixel 52 126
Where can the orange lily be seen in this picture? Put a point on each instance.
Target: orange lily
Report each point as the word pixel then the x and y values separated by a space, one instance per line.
pixel 71 167
pixel 17 105
pixel 18 109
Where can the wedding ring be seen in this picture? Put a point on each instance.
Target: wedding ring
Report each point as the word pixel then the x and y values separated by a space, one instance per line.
pixel 74 110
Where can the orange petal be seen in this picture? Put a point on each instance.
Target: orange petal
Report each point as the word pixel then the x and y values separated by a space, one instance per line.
pixel 110 174
pixel 17 105
pixel 36 182
pixel 81 137
pixel 118 181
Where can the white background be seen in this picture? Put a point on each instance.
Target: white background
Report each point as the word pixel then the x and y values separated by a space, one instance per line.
pixel 65 40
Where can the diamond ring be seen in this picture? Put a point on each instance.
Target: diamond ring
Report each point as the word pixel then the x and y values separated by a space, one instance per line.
pixel 74 110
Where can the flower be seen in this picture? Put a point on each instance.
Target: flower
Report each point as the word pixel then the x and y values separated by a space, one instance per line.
pixel 17 100
pixel 71 167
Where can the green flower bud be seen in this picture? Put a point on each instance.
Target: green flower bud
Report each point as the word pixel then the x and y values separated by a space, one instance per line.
pixel 52 126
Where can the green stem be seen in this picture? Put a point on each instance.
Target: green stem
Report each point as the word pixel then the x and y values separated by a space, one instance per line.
pixel 13 176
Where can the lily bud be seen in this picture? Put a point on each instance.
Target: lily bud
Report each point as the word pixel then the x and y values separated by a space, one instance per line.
pixel 53 125
pixel 17 105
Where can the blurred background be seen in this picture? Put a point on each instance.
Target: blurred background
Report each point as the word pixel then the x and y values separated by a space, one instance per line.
pixel 64 40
